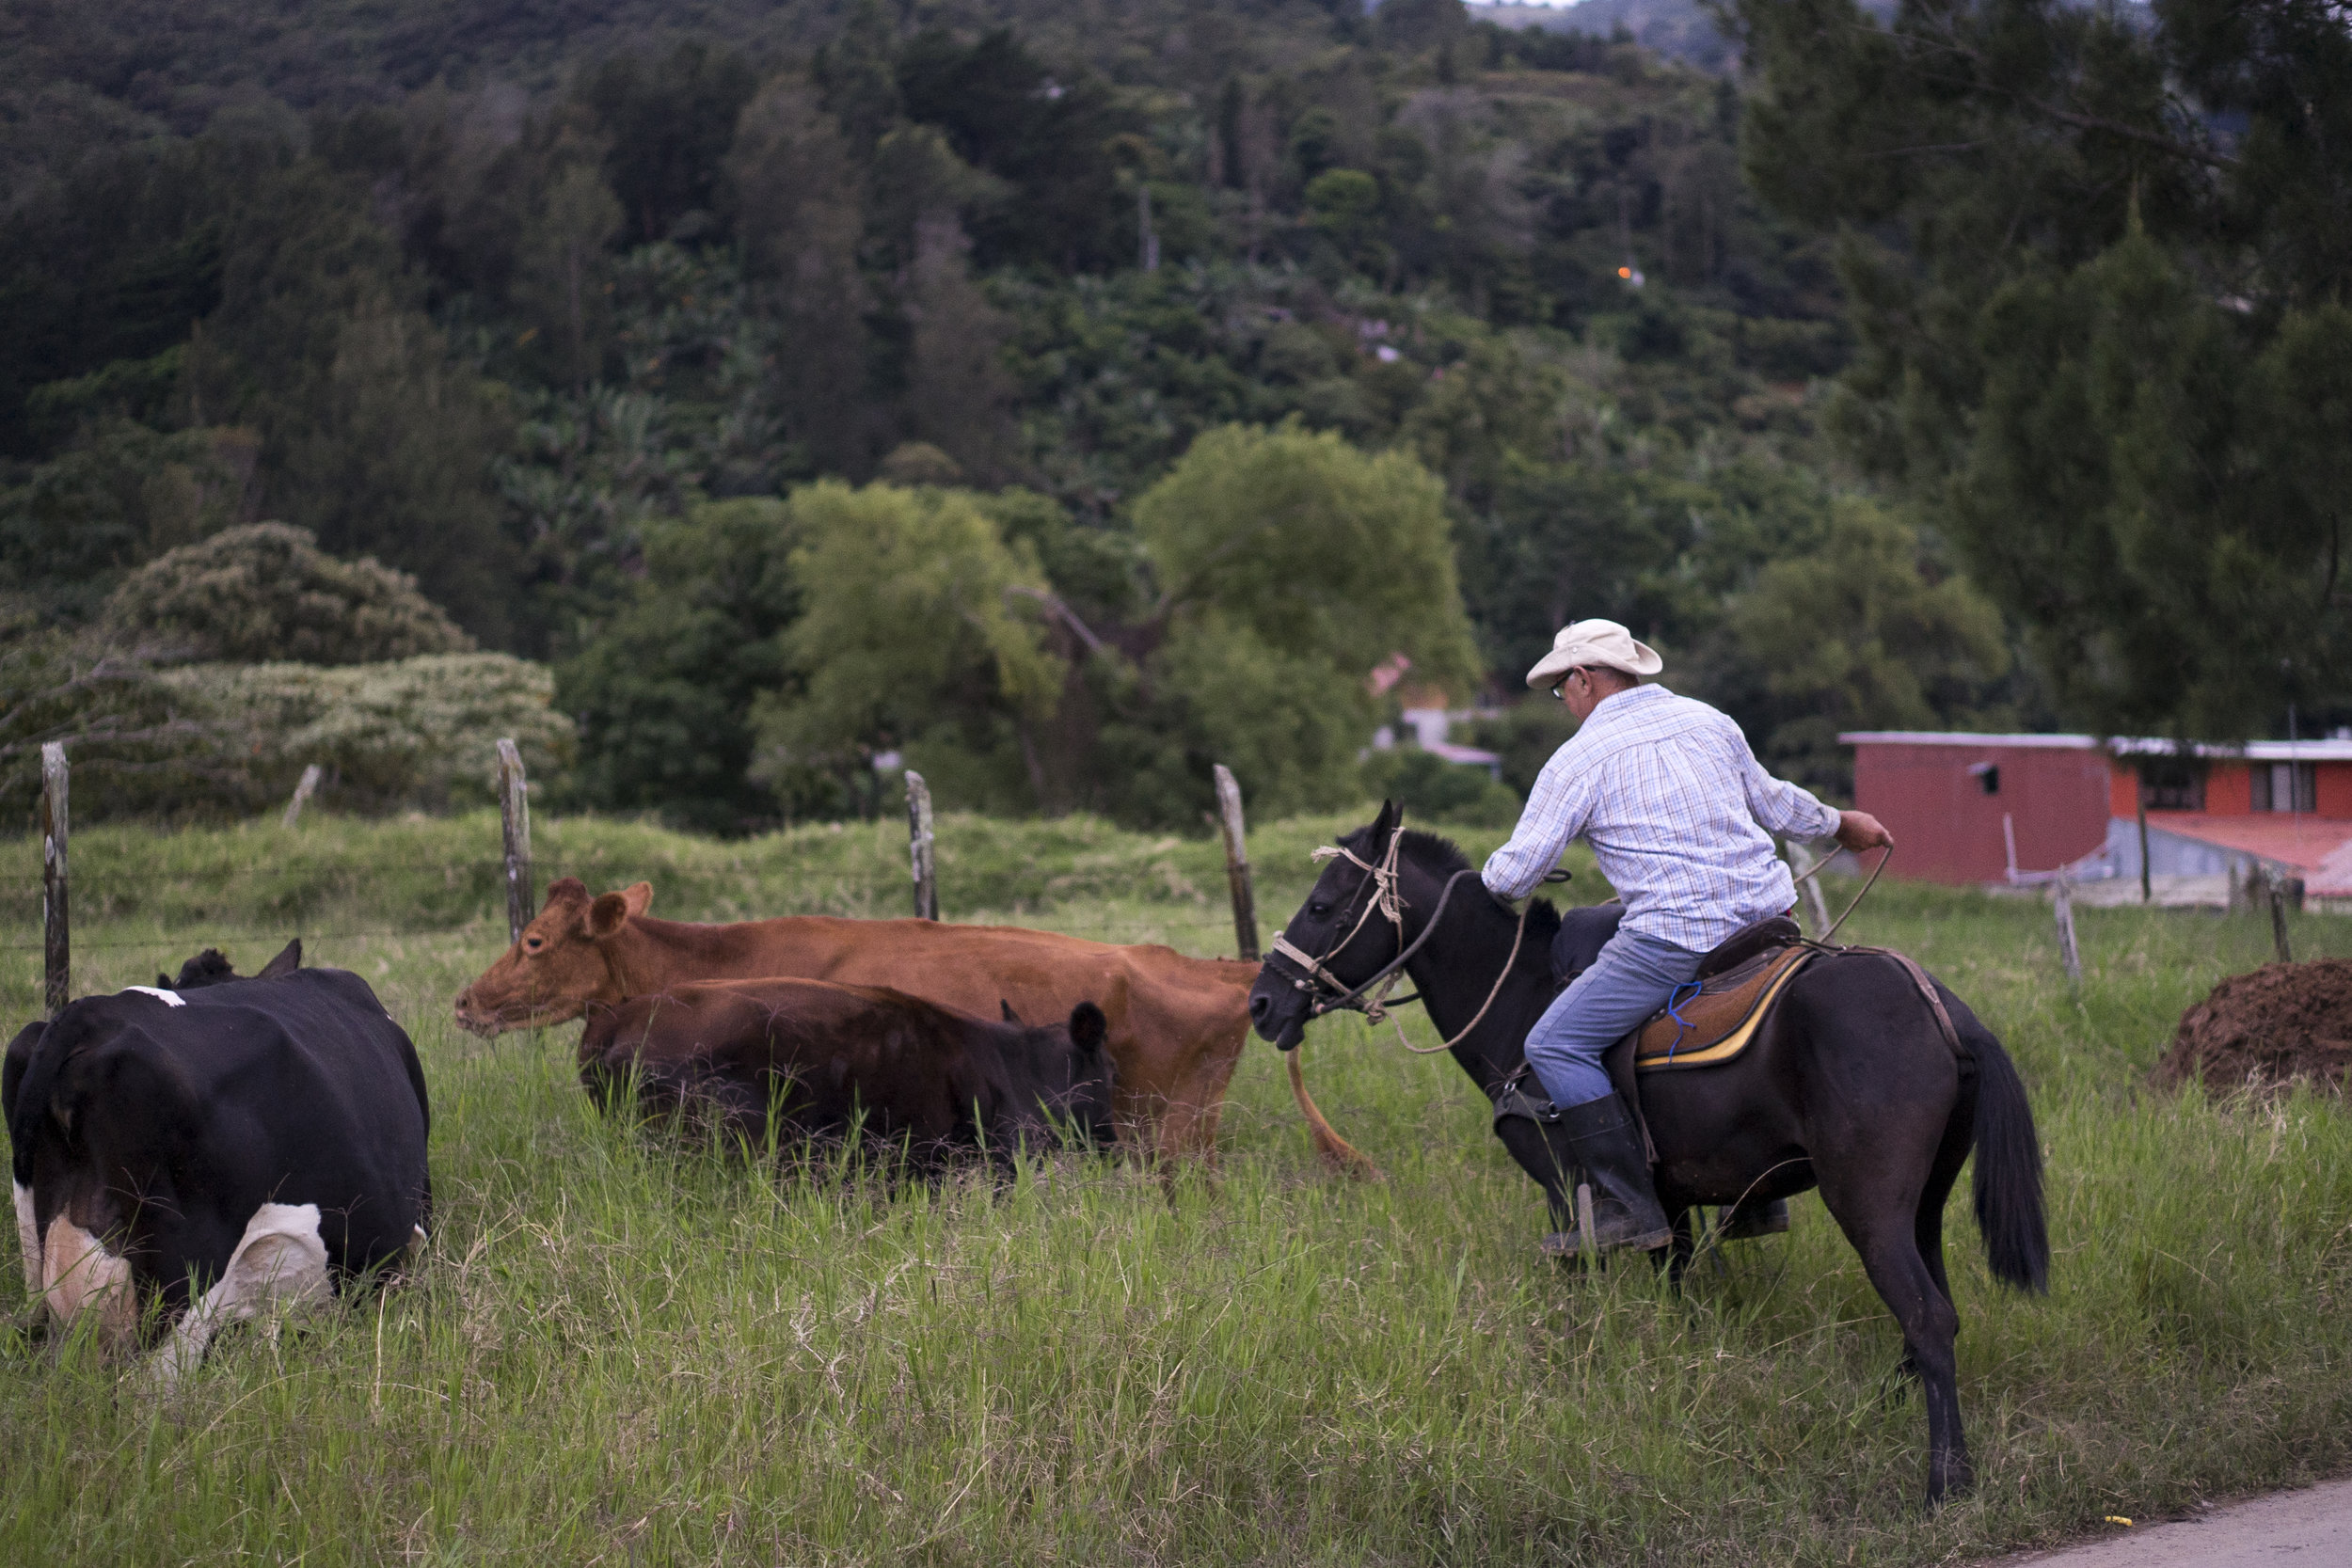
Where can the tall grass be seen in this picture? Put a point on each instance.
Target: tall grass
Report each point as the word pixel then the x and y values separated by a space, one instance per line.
pixel 621 1350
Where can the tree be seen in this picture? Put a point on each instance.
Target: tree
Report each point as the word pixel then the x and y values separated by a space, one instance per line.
pixel 798 214
pixel 669 123
pixel 2107 355
pixel 266 592
pixel 957 389
pixel 1316 549
pixel 664 692
pixel 1289 565
pixel 919 621
pixel 121 494
pixel 390 456
pixel 1861 633
pixel 563 267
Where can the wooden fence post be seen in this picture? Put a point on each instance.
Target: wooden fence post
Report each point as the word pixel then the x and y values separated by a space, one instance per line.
pixel 56 955
pixel 514 824
pixel 2146 896
pixel 1237 865
pixel 310 777
pixel 1814 903
pixel 919 846
pixel 2277 891
pixel 2062 900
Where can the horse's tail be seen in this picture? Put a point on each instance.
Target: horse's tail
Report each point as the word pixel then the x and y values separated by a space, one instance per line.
pixel 1336 1151
pixel 2009 1170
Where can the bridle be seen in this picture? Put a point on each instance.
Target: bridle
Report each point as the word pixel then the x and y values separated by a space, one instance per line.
pixel 1327 993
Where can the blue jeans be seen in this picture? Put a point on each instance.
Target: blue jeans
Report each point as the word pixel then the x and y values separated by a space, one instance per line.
pixel 1632 979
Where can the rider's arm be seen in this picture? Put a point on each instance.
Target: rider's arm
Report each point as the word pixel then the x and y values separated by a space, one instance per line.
pixel 1557 810
pixel 1779 806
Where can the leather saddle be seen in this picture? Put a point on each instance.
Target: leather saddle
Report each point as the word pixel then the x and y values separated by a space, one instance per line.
pixel 1711 1019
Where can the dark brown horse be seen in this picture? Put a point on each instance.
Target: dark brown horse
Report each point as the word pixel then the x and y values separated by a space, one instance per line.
pixel 1852 1086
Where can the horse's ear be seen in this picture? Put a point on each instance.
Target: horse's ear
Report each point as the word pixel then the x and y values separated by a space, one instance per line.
pixel 1010 1017
pixel 1088 1027
pixel 1384 825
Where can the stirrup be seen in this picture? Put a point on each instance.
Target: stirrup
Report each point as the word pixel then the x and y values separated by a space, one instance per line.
pixel 1752 1218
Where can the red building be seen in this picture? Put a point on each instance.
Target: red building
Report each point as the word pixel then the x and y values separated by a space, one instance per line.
pixel 1973 808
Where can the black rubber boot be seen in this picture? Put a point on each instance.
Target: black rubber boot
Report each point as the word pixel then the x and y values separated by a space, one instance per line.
pixel 1607 1147
pixel 1757 1217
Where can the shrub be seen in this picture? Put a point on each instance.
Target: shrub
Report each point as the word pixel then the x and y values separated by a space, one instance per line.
pixel 415 733
pixel 267 592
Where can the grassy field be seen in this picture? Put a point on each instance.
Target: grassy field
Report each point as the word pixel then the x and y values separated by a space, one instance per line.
pixel 620 1351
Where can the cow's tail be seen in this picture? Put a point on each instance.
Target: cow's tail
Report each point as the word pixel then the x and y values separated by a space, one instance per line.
pixel 32 1100
pixel 2008 1170
pixel 1336 1152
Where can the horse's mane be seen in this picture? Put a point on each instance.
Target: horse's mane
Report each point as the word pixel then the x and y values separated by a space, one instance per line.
pixel 1442 857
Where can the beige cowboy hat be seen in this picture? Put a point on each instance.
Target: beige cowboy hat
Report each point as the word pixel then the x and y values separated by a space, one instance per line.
pixel 1603 643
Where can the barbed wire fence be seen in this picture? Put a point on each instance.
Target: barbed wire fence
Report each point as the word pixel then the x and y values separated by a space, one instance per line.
pixel 298 893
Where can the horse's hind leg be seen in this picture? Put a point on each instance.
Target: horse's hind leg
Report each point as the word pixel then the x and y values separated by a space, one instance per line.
pixel 1927 1230
pixel 1885 1236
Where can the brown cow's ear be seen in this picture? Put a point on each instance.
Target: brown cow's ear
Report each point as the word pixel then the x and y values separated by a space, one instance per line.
pixel 1010 1017
pixel 607 915
pixel 640 898
pixel 1088 1028
pixel 289 960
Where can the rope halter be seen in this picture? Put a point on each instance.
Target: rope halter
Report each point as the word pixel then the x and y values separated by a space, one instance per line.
pixel 1326 992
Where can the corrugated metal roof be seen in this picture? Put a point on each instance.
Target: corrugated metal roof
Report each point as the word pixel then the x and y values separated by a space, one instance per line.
pixel 2252 751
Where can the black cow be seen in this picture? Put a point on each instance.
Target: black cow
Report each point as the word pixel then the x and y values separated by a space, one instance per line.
pixel 184 1159
pixel 908 1075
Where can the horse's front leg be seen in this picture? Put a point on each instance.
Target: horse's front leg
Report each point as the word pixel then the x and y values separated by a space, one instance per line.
pixel 1675 1259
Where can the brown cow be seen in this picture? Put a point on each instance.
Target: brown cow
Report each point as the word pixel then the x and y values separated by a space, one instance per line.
pixel 908 1076
pixel 1177 1024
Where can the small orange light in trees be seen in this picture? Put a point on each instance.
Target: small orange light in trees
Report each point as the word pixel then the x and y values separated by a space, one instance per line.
pixel 1624 272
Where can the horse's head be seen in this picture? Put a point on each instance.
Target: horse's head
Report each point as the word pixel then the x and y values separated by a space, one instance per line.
pixel 1347 930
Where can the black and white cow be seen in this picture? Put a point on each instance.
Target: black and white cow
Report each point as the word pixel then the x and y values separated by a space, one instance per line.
pixel 184 1158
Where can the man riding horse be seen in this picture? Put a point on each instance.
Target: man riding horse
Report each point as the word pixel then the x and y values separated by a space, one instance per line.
pixel 1680 817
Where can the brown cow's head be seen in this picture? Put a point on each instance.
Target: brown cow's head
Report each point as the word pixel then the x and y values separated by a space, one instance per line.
pixel 559 966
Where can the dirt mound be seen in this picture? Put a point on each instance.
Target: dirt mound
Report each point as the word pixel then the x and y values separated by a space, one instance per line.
pixel 2282 1022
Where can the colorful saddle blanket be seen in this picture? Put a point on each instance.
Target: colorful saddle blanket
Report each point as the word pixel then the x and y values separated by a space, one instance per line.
pixel 1710 1021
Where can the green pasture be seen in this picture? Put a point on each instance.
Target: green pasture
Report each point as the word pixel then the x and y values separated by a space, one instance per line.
pixel 624 1351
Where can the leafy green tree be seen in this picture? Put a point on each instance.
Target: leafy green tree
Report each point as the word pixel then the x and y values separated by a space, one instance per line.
pixel 669 123
pixel 137 746
pixel 2107 351
pixel 412 734
pixel 562 268
pixel 1861 632
pixel 1289 565
pixel 1317 549
pixel 392 458
pixel 117 496
pixel 664 692
pixel 265 592
pixel 917 617
pixel 798 216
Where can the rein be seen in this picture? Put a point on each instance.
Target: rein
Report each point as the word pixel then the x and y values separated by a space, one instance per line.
pixel 1327 993
pixel 1885 855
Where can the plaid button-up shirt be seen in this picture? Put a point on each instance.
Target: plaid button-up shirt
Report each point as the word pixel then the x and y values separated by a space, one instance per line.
pixel 1679 814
